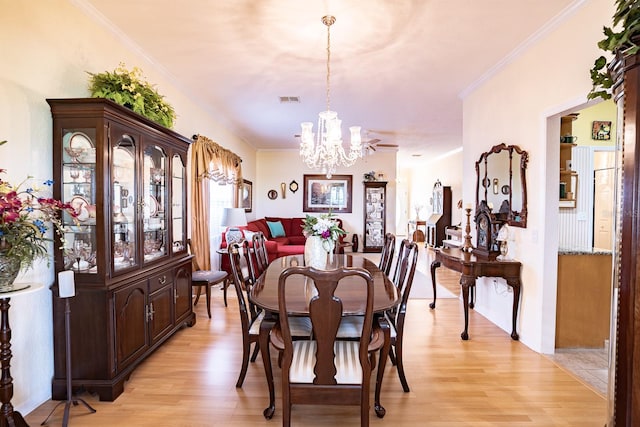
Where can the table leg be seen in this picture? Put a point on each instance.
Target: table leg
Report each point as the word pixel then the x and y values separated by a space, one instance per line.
pixel 466 282
pixel 515 285
pixel 384 355
pixel 434 265
pixel 265 328
pixel 8 417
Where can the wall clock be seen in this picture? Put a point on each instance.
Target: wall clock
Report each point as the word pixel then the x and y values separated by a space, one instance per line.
pixel 293 186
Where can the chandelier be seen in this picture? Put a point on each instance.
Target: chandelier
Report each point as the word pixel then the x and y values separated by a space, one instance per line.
pixel 326 151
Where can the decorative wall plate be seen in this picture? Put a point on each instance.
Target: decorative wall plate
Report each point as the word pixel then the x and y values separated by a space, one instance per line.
pixel 293 186
pixel 272 194
pixel 80 205
pixel 505 189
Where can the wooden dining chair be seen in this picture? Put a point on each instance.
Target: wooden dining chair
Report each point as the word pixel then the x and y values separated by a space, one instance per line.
pixel 260 252
pixel 326 370
pixel 406 268
pixel 205 279
pixel 250 317
pixel 386 257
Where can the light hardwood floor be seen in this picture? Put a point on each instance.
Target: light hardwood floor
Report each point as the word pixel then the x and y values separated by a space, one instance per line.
pixel 489 380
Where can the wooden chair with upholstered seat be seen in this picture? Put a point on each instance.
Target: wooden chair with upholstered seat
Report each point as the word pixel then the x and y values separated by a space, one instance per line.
pixel 251 318
pixel 403 279
pixel 205 279
pixel 326 370
pixel 405 268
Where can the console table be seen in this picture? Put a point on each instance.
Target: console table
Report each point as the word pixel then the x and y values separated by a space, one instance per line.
pixel 471 267
pixel 9 417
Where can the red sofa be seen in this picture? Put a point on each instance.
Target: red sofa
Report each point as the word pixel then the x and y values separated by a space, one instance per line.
pixel 292 243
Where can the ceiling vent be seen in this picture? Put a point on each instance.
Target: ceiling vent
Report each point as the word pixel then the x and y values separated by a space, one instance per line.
pixel 287 99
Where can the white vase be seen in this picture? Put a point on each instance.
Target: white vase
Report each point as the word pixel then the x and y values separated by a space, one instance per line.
pixel 315 254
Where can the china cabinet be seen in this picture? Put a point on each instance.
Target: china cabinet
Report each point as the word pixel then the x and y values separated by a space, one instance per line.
pixel 374 215
pixel 126 178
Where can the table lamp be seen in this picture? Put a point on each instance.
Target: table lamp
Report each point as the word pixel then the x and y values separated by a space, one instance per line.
pixel 233 218
pixel 502 238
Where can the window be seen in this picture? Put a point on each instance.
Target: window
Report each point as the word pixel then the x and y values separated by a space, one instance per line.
pixel 220 197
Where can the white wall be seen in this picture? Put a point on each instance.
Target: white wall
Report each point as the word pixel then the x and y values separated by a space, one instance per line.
pixel 47 49
pixel 512 106
pixel 446 169
pixel 275 167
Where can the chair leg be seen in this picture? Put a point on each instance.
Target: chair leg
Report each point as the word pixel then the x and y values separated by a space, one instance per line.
pixel 197 294
pixel 246 348
pixel 225 285
pixel 208 295
pixel 254 355
pixel 400 366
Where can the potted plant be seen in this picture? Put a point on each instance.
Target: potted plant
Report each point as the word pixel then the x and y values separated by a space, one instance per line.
pixel 24 219
pixel 130 89
pixel 623 43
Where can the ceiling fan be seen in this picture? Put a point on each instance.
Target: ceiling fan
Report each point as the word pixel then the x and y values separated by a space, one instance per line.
pixel 369 145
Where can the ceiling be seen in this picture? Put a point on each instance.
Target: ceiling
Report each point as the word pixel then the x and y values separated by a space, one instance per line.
pixel 398 68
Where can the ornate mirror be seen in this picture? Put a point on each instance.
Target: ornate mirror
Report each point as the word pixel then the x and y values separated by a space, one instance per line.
pixel 502 185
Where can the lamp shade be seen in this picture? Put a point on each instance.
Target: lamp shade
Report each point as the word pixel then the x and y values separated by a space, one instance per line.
pixel 234 217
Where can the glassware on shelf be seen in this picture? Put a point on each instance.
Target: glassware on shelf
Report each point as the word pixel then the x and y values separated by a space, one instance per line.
pixel 74 173
pixel 74 153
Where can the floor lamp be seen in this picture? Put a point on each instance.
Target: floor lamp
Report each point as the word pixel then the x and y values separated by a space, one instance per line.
pixel 66 290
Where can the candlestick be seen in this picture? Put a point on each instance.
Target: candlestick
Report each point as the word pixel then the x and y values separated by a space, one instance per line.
pixel 467 246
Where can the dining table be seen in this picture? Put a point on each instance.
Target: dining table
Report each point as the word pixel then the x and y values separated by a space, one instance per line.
pixel 264 294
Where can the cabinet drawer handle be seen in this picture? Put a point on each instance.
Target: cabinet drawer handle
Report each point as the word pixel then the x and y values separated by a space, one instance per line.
pixel 162 280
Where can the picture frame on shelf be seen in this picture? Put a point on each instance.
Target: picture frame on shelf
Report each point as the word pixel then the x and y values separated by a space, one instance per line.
pixel 246 193
pixel 322 194
pixel 601 130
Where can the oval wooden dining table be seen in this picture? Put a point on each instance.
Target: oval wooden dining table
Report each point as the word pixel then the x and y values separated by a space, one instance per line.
pixel 264 294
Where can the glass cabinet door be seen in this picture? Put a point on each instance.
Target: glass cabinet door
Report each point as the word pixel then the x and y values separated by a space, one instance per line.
pixel 374 217
pixel 79 190
pixel 154 202
pixel 124 200
pixel 178 203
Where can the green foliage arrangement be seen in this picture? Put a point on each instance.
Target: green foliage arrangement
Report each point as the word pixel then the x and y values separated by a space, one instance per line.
pixel 628 16
pixel 25 215
pixel 129 88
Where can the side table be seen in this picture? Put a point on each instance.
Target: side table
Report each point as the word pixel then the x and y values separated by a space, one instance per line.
pixel 9 417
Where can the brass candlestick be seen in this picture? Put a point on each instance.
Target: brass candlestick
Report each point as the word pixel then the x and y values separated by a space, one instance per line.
pixel 467 246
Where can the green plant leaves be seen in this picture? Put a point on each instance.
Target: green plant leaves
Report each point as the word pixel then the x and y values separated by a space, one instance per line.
pixel 130 89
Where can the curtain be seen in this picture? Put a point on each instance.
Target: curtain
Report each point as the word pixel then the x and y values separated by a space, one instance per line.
pixel 209 162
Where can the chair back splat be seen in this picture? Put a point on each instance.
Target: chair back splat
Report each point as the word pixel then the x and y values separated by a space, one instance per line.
pixel 325 370
pixel 386 257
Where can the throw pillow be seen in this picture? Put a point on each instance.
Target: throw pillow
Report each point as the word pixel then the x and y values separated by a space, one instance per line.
pixel 248 234
pixel 276 229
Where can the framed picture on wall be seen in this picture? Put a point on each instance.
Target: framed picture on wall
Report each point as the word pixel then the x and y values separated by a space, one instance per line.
pixel 322 194
pixel 246 190
pixel 601 131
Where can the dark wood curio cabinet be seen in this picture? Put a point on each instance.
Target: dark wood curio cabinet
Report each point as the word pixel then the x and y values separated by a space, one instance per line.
pixel 126 178
pixel 375 213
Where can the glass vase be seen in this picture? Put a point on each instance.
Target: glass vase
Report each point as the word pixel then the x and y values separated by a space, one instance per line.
pixel 315 254
pixel 9 269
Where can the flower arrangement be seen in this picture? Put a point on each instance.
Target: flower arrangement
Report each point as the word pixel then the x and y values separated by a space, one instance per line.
pixel 130 88
pixel 23 220
pixel 627 15
pixel 323 226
